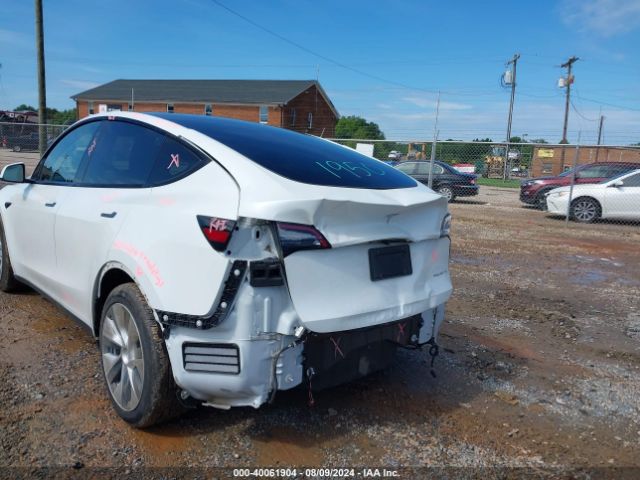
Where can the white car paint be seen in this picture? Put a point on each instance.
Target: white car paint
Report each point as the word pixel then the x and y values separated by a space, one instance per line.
pixel 617 200
pixel 65 249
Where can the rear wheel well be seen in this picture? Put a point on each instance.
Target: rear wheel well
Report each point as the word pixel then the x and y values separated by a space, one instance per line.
pixel 110 280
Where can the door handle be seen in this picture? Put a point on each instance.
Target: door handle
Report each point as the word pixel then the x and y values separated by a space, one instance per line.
pixel 108 215
pixel 52 204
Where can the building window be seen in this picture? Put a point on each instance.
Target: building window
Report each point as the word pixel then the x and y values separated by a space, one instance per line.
pixel 293 117
pixel 264 114
pixel 547 167
pixel 310 120
pixel 208 109
pixel 90 107
pixel 112 107
pixel 169 107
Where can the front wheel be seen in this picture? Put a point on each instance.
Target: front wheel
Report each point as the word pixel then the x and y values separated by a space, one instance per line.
pixel 447 192
pixel 585 210
pixel 135 362
pixel 17 148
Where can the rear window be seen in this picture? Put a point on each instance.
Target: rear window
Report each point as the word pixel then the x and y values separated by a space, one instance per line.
pixel 302 158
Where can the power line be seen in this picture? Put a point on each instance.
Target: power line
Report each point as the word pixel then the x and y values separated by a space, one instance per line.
pixel 581 115
pixel 319 55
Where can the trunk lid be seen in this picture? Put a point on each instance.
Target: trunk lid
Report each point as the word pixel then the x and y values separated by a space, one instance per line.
pixel 332 289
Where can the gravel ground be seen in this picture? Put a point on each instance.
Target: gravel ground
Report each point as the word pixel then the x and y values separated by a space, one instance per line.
pixel 539 374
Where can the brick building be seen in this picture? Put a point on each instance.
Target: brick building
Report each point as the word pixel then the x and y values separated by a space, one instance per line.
pixel 300 105
pixel 547 160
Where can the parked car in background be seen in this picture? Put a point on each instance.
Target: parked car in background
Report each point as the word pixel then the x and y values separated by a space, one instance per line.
pixel 394 155
pixel 617 198
pixel 24 143
pixel 204 289
pixel 447 181
pixel 534 190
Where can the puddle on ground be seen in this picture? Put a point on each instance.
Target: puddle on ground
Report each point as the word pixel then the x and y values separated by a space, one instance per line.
pixel 286 446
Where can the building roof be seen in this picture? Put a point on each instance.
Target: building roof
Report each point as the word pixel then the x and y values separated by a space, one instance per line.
pixel 260 92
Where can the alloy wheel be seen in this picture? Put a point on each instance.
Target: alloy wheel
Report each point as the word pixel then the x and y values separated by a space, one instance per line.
pixel 122 356
pixel 585 211
pixel 446 192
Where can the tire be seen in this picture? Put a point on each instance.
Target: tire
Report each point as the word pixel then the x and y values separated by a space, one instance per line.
pixel 137 371
pixel 8 282
pixel 447 192
pixel 585 210
pixel 17 148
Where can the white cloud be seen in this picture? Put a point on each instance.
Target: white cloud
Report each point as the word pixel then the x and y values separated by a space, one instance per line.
pixel 79 84
pixel 9 38
pixel 431 103
pixel 603 17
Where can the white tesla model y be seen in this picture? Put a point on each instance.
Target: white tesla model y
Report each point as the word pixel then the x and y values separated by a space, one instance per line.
pixel 219 261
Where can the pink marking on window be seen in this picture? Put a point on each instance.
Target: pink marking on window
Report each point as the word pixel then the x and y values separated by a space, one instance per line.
pixel 400 331
pixel 217 224
pixel 175 160
pixel 337 349
pixel 434 256
pixel 92 147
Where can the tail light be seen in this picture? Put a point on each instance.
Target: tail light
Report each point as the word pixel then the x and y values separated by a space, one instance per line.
pixel 217 231
pixel 294 237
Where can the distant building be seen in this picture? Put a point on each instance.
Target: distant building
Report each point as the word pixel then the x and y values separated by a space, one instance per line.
pixel 547 160
pixel 300 105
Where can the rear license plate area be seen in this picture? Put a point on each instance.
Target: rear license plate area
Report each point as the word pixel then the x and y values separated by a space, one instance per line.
pixel 389 262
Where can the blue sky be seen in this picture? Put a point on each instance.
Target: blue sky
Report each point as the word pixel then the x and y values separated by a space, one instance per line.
pixel 402 52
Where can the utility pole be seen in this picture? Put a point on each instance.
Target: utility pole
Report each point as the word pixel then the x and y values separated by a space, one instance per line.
pixel 600 130
pixel 514 62
pixel 42 94
pixel 599 135
pixel 433 145
pixel 568 82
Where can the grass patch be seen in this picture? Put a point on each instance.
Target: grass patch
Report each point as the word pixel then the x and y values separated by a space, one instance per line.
pixel 498 182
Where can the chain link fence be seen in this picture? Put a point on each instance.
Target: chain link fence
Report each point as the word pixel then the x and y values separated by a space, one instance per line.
pixel 595 181
pixel 23 137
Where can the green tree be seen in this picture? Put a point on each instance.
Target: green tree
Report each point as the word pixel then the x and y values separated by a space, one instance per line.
pixel 357 127
pixel 539 140
pixel 24 106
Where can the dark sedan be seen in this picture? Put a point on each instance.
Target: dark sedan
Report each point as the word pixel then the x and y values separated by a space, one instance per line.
pixel 447 181
pixel 24 143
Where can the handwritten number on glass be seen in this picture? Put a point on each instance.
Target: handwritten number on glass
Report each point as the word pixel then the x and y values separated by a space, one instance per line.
pixel 357 169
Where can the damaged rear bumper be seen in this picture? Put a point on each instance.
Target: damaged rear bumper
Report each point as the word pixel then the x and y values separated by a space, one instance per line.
pixel 230 372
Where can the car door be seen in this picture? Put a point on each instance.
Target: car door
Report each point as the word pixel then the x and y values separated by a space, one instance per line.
pixel 623 201
pixel 34 208
pixel 114 179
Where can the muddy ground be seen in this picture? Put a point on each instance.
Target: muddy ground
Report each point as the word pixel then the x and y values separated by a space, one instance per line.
pixel 539 368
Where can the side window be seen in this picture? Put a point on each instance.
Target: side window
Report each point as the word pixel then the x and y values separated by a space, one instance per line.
pixel 62 163
pixel 174 160
pixel 423 169
pixel 615 170
pixel 122 153
pixel 597 171
pixel 264 114
pixel 408 168
pixel 632 181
